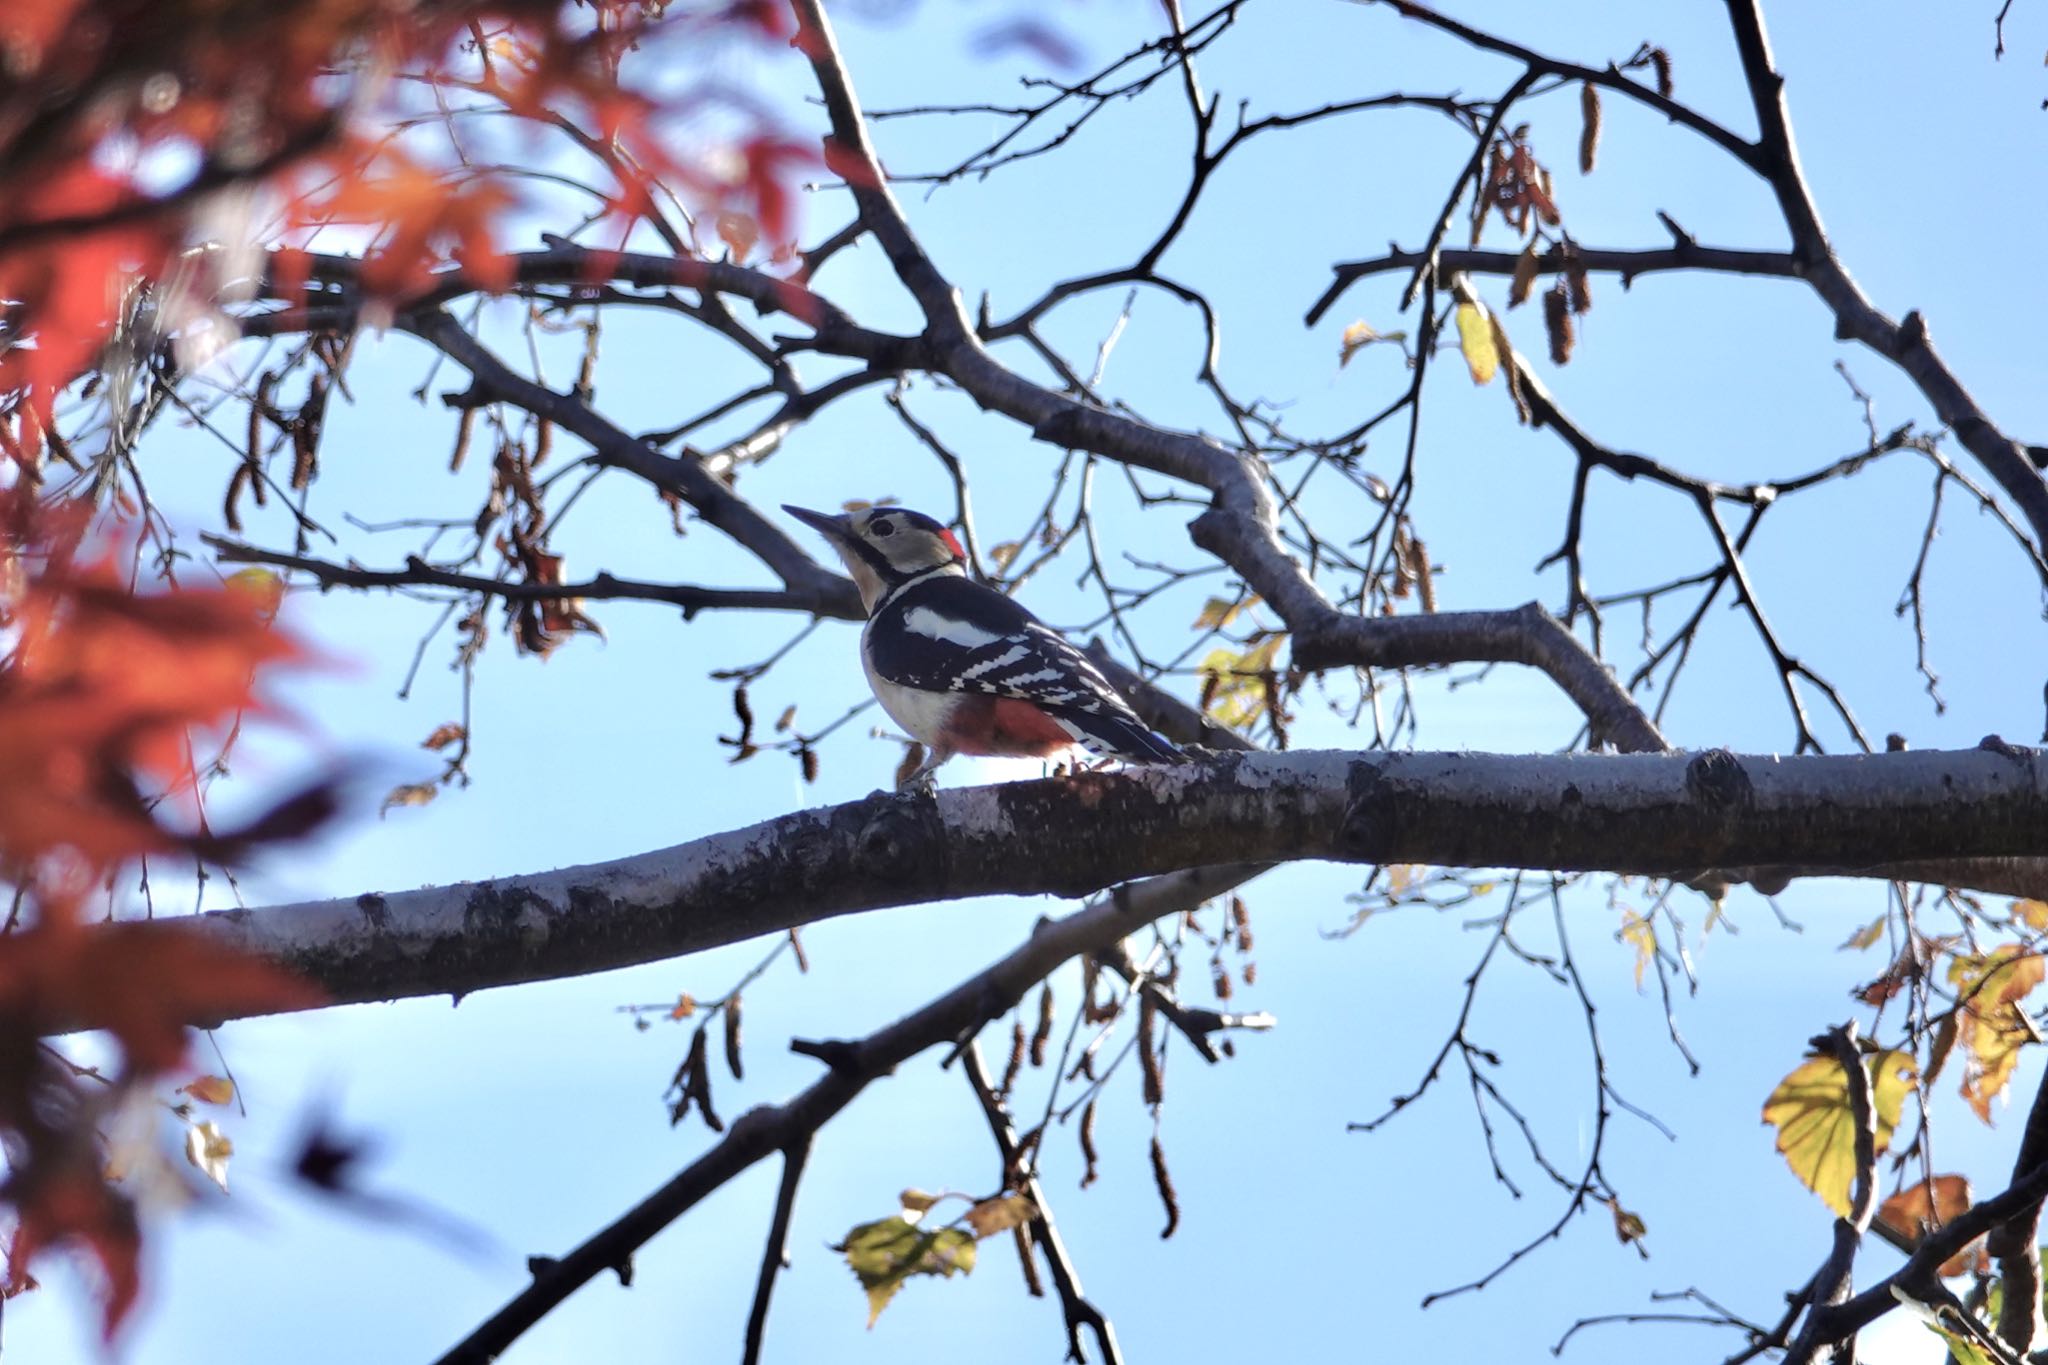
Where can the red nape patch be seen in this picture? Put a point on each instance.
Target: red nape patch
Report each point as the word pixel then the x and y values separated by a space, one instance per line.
pixel 1004 727
pixel 953 544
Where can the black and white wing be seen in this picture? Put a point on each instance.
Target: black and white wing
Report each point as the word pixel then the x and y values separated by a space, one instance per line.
pixel 949 634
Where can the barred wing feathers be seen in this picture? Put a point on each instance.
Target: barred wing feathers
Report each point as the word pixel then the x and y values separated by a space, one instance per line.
pixel 948 634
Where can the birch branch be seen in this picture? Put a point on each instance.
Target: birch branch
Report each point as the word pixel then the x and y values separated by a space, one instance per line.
pixel 1908 815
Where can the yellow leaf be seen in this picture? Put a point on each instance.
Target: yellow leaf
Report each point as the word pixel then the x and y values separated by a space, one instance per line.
pixel 1629 1227
pixel 1004 553
pixel 1357 337
pixel 263 586
pixel 915 1201
pixel 1218 612
pixel 210 1089
pixel 1401 877
pixel 1641 935
pixel 1993 1024
pixel 1962 1348
pixel 2033 914
pixel 1233 683
pixel 885 1253
pixel 1475 339
pixel 992 1216
pixel 1865 937
pixel 208 1148
pixel 409 794
pixel 1816 1132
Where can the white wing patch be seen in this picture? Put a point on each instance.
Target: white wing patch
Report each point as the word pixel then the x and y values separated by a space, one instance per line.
pixel 924 621
pixel 1016 654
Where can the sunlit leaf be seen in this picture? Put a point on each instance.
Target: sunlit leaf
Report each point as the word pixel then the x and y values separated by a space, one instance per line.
pixel 1357 337
pixel 1925 1205
pixel 210 1090
pixel 1816 1131
pixel 1638 933
pixel 991 1216
pixel 1628 1227
pixel 1233 687
pixel 1992 1024
pixel 915 1202
pixel 208 1149
pixel 409 794
pixel 885 1253
pixel 2033 914
pixel 1475 340
pixel 740 232
pixel 445 734
pixel 1961 1348
pixel 261 586
pixel 1867 936
pixel 1218 612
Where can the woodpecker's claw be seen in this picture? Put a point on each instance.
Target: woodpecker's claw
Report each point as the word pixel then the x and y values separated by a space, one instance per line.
pixel 923 782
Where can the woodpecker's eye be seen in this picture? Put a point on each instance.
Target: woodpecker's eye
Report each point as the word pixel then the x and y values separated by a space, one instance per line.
pixel 883 528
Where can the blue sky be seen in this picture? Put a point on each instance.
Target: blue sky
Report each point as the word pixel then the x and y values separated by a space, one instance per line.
pixel 535 1114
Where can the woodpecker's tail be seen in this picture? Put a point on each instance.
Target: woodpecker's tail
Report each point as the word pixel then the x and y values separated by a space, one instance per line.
pixel 1114 736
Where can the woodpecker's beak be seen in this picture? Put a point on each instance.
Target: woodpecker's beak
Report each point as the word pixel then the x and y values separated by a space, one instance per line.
pixel 838 530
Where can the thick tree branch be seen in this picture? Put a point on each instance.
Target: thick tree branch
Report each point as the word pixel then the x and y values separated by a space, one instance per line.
pixel 775 1128
pixel 1650 814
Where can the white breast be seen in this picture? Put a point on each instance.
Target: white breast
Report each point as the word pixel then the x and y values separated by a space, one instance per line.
pixel 922 714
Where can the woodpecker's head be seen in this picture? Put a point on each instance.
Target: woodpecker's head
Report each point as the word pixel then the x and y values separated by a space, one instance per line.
pixel 886 547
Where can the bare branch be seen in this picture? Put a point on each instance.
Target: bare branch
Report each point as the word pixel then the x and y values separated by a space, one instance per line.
pixel 1075 1305
pixel 1685 255
pixel 775 1128
pixel 417 573
pixel 1608 78
pixel 776 1253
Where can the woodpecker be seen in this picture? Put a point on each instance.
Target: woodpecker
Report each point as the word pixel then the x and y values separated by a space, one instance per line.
pixel 961 667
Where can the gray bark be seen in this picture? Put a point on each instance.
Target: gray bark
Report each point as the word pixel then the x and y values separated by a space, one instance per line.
pixel 1900 814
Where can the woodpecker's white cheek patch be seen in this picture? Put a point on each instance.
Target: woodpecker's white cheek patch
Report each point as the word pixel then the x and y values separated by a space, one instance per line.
pixel 924 621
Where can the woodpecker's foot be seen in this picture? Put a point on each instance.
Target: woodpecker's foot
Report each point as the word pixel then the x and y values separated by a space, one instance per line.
pixel 923 782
